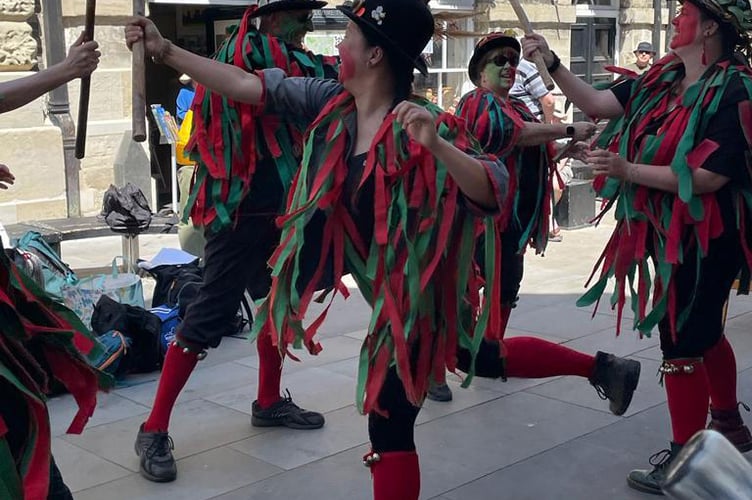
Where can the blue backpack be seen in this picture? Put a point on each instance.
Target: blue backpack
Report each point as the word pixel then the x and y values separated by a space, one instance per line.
pixel 170 317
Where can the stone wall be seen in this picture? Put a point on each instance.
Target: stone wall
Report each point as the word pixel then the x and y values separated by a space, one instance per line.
pixel 636 22
pixel 38 164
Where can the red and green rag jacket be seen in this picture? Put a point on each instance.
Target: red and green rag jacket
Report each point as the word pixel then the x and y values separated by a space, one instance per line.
pixel 61 343
pixel 231 140
pixel 497 123
pixel 416 269
pixel 656 229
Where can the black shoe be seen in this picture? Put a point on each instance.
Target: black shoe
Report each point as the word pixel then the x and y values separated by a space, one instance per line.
pixel 650 481
pixel 439 392
pixel 615 379
pixel 155 451
pixel 287 414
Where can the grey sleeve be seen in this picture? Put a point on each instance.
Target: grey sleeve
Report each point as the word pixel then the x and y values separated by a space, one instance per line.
pixel 298 96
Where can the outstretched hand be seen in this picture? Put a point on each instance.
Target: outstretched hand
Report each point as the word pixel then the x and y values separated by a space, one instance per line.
pixel 83 57
pixel 139 29
pixel 6 177
pixel 418 122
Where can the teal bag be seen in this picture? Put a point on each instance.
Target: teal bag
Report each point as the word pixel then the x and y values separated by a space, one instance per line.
pixel 47 267
pixel 115 347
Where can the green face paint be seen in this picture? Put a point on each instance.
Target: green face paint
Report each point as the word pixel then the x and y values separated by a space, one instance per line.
pixel 294 26
pixel 498 78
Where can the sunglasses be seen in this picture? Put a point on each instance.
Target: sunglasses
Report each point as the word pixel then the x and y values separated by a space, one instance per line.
pixel 643 52
pixel 305 18
pixel 501 60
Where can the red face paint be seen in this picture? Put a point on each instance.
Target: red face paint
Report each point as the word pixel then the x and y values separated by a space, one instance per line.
pixel 346 65
pixel 685 26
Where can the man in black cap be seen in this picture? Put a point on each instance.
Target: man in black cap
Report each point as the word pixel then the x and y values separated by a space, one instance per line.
pixel 237 193
pixel 644 54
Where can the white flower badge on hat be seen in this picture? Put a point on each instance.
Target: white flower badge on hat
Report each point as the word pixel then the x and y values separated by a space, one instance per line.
pixel 378 15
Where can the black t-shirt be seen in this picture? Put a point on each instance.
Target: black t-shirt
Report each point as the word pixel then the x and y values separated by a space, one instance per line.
pixel 724 129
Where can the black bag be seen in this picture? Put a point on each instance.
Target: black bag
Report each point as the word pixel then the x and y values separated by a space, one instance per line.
pixel 126 210
pixel 177 285
pixel 140 326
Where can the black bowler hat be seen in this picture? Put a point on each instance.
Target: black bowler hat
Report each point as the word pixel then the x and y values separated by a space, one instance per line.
pixel 402 27
pixel 487 44
pixel 269 6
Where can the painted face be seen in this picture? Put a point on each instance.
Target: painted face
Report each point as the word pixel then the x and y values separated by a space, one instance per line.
pixel 686 23
pixel 500 69
pixel 351 53
pixel 293 25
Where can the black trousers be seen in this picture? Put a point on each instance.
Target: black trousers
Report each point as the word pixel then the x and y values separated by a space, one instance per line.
pixel 235 260
pixel 396 432
pixel 711 283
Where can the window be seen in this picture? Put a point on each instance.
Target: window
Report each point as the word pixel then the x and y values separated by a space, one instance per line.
pixel 593 48
pixel 447 60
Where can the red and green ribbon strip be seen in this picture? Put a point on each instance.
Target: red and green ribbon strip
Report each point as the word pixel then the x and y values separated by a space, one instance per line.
pixel 417 272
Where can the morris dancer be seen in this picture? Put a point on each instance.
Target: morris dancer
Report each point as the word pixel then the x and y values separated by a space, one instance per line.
pixel 674 161
pixel 245 162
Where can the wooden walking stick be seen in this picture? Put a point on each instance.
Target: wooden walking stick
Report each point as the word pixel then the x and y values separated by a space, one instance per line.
pixel 83 101
pixel 537 57
pixel 138 70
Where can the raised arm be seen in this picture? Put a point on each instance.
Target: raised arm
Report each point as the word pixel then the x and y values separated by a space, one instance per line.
pixel 82 60
pixel 591 101
pixel 224 79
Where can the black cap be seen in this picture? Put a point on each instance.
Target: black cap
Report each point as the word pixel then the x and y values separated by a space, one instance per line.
pixel 269 6
pixel 402 27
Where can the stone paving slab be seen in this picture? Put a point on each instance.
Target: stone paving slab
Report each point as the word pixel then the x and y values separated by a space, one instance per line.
pixel 539 439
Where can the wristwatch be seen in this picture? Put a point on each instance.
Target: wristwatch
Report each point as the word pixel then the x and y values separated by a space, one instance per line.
pixel 570 130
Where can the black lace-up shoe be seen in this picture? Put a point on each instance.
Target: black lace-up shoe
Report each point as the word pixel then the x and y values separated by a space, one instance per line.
pixel 615 379
pixel 650 481
pixel 155 451
pixel 439 392
pixel 285 413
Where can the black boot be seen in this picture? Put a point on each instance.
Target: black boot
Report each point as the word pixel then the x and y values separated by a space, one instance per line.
pixel 155 451
pixel 730 424
pixel 488 362
pixel 650 481
pixel 439 392
pixel 615 379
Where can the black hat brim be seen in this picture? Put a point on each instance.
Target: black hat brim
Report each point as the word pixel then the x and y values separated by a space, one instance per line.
pixel 419 63
pixel 503 41
pixel 288 5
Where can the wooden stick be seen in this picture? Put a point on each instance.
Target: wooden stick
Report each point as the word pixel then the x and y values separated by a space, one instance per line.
pixel 83 101
pixel 138 71
pixel 537 57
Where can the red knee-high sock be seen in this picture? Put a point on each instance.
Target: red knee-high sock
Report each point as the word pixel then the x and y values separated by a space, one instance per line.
pixel 176 369
pixel 688 398
pixel 270 371
pixel 396 476
pixel 530 357
pixel 720 364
